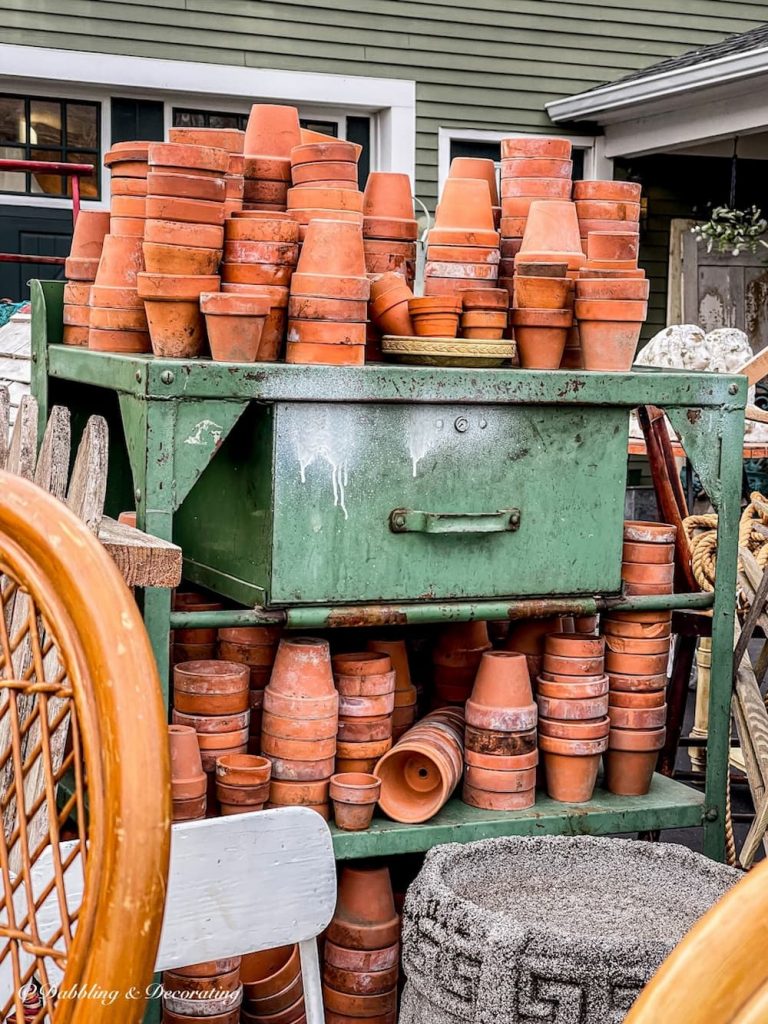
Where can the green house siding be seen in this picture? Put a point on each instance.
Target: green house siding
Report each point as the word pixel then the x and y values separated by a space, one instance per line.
pixel 492 65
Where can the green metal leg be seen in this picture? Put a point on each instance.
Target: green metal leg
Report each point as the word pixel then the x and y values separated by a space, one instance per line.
pixel 727 500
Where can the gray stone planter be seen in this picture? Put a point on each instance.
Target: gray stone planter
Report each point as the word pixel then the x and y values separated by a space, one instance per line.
pixel 551 930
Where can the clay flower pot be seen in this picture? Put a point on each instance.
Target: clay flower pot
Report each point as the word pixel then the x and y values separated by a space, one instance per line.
pixel 188 781
pixel 88 236
pixel 574 645
pixel 388 197
pixel 486 299
pixel 537 269
pixel 631 760
pixel 333 248
pixel 243 770
pixel 644 552
pixel 210 687
pixel 614 627
pixel 464 215
pixel 553 227
pixel 634 289
pixel 365 916
pixel 502 681
pixel 647 572
pixel 549 147
pixel 484 324
pixel 472 167
pixel 570 767
pixel 591 729
pixel 614 191
pixel 603 245
pixel 269 971
pixel 542 292
pixel 180 259
pixel 609 345
pixel 302 670
pixel 234 324
pixel 354 797
pixel 121 261
pixel 435 316
pixel 541 335
pixel 172 303
pixel 272 130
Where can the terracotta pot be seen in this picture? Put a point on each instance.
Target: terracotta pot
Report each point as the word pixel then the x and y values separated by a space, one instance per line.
pixel 568 709
pixel 530 189
pixel 179 984
pixel 572 666
pixel 398 654
pixel 534 269
pixel 234 325
pixel 178 259
pixel 121 261
pixel 433 317
pixel 618 191
pixel 536 167
pixel 655 699
pixel 128 186
pixel 361 1007
pixel 188 780
pixel 420 772
pixel 332 248
pixel 326 173
pixel 291 728
pixel 542 292
pixel 501 762
pixel 464 215
pixel 540 347
pixel 571 767
pixel 304 307
pixel 166 232
pixel 80 269
pixel 631 760
pixel 637 645
pixel 366 706
pixel 230 139
pixel 491 299
pixel 283 1002
pixel 189 810
pixel 603 245
pixel 278 254
pixel 243 770
pixel 332 334
pixel 493 801
pixel 109 319
pixel 365 917
pixel 535 146
pixel 647 572
pixel 198 159
pixel 179 186
pixel 284 793
pixel 251 635
pixel 591 729
pixel 172 304
pixel 502 681
pixel 245 797
pixel 581 690
pixel 331 200
pixel 635 664
pixel 633 289
pixel 264 228
pixel 464 254
pixel 461 271
pixel 494 780
pixel 373 729
pixel 637 718
pixel 220 743
pixel 362 663
pixel 272 130
pixel 210 687
pixel 185 211
pixel 642 683
pixel 473 167
pixel 192 652
pixel 612 310
pixel 325 152
pixel 270 971
pixel 212 723
pixel 388 196
pixel 608 345
pixel 391 315
pixel 88 235
pixel 646 532
pixel 644 552
pixel 553 227
pixel 354 797
pixel 302 670
pixel 305 768
pixel 360 982
pixel 574 645
pixel 597 209
pixel 640 630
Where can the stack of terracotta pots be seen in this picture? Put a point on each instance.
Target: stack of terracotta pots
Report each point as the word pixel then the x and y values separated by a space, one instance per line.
pixel 485 170
pixel 463 249
pixel 389 226
pixel 212 698
pixel 421 771
pixel 270 135
pixel 197 644
pixel 388 307
pixel 637 653
pixel 234 325
pixel 328 305
pixel 354 796
pixel 324 184
pixel 80 271
pixel 366 685
pixel 611 301
pixel 406 696
pixel 572 693
pixel 185 208
pixel 230 139
pixel 260 254
pixel 456 659
pixel 362 949
pixel 435 316
pixel 500 750
pixel 532 168
pixel 485 313
pixel 272 987
pixel 300 722
pixel 256 647
pixel 189 784
pixel 211 991
pixel 607 206
pixel 526 636
pixel 543 314
pixel 242 782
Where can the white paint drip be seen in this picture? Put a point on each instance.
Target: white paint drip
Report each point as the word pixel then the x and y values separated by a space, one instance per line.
pixel 426 430
pixel 203 428
pixel 331 443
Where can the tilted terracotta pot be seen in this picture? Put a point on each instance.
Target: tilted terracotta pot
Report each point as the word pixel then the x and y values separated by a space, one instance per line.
pixel 545 146
pixel 553 227
pixel 365 916
pixel 121 261
pixel 188 781
pixel 332 248
pixel 88 236
pixel 270 971
pixel 571 766
pixel 172 303
pixel 234 325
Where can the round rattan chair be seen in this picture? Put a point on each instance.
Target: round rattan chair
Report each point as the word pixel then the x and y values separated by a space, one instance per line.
pixel 84 773
pixel 719 973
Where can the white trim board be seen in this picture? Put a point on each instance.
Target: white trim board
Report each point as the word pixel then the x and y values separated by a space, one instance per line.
pixel 392 101
pixel 596 164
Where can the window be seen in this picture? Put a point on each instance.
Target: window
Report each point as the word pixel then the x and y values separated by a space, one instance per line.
pixel 60 131
pixel 214 119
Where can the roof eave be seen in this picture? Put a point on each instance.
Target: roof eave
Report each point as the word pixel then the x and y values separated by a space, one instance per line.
pixel 610 99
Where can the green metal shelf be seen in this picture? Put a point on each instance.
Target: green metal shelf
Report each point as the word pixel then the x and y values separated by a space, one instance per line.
pixel 669 804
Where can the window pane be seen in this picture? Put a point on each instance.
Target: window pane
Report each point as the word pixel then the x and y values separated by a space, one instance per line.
pixel 326 127
pixel 12 181
pixel 12 125
pixel 189 119
pixel 223 121
pixel 44 123
pixel 82 126
pixel 89 186
pixel 42 182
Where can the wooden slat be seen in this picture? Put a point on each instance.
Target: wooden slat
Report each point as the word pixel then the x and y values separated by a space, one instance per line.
pixel 88 483
pixel 144 561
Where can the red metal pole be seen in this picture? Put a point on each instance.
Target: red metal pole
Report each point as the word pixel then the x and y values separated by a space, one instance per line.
pixel 75 198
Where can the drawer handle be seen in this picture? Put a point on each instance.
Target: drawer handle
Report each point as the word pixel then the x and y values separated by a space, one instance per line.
pixel 408 520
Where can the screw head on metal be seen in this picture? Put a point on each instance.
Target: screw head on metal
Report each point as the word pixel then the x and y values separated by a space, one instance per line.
pixel 711 814
pixel 137 494
pixel 514 519
pixel 461 423
pixel 733 389
pixel 399 521
pixel 137 375
pixel 167 377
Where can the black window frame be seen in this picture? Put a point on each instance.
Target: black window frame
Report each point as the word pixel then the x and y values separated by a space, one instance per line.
pixel 63 149
pixel 330 127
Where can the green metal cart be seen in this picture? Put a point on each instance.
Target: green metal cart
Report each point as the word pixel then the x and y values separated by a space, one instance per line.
pixel 389 495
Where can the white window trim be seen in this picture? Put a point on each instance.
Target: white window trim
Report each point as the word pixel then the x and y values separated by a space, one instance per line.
pixel 391 102
pixel 596 164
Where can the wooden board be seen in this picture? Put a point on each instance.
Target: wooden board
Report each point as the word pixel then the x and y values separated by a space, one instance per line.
pixel 143 560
